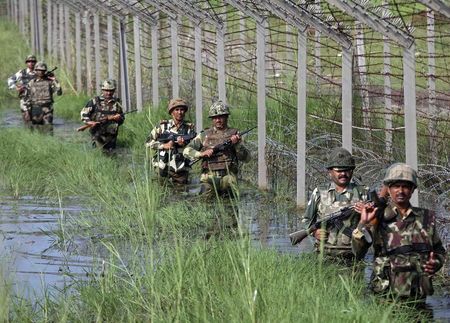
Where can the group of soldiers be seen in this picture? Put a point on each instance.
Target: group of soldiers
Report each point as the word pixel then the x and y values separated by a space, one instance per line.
pixel 407 248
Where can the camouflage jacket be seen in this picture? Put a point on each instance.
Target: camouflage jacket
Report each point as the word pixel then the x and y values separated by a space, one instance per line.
pixel 40 91
pixel 222 161
pixel 172 158
pixel 325 200
pixel 21 80
pixel 402 246
pixel 98 108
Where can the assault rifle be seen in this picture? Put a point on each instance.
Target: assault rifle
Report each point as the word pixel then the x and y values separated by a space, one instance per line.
pixel 50 73
pixel 223 146
pixel 102 120
pixel 170 136
pixel 336 218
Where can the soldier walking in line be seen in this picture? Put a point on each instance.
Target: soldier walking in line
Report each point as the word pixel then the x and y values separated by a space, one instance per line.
pixel 40 95
pixel 407 248
pixel 20 80
pixel 219 168
pixel 328 198
pixel 168 140
pixel 103 115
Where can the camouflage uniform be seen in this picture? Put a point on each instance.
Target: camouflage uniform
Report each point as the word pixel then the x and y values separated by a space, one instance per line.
pixel 40 97
pixel 98 109
pixel 170 163
pixel 325 199
pixel 20 81
pixel 402 246
pixel 220 171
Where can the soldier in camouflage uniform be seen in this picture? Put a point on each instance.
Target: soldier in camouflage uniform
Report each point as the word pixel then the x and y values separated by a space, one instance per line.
pixel 20 80
pixel 104 114
pixel 329 198
pixel 219 170
pixel 168 160
pixel 407 247
pixel 40 95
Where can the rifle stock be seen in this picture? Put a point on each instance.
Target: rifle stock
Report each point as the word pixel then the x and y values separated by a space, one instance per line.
pixel 84 127
pixel 298 236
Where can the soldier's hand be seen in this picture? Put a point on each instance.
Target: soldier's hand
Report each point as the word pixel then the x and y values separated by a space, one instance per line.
pixel 180 141
pixel 92 123
pixel 321 234
pixel 368 213
pixel 168 145
pixel 115 117
pixel 207 153
pixel 235 139
pixel 430 265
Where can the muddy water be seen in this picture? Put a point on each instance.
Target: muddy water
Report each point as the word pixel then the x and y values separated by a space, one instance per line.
pixel 30 232
pixel 32 252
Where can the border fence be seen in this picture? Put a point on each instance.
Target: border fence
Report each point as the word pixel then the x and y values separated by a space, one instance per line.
pixel 371 76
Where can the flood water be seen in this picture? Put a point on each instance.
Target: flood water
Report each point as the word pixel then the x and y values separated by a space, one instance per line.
pixel 31 231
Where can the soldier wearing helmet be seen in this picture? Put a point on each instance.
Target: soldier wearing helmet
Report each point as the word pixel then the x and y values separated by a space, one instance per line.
pixel 40 95
pixel 219 169
pixel 20 80
pixel 103 114
pixel 327 198
pixel 407 248
pixel 168 160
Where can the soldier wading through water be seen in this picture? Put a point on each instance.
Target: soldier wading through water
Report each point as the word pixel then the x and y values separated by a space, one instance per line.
pixel 20 80
pixel 407 248
pixel 103 114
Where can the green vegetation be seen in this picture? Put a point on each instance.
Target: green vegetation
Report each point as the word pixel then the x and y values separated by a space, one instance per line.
pixel 168 270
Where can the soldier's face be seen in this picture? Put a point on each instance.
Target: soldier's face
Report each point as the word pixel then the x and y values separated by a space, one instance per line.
pixel 30 64
pixel 220 122
pixel 108 94
pixel 340 177
pixel 178 114
pixel 40 73
pixel 401 192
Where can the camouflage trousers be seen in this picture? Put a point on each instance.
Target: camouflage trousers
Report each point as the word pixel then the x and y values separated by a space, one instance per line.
pixel 180 177
pixel 221 181
pixel 41 114
pixel 104 137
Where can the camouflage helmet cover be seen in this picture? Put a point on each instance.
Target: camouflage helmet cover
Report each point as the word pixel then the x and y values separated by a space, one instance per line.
pixel 109 85
pixel 218 109
pixel 340 158
pixel 400 172
pixel 40 66
pixel 30 58
pixel 175 103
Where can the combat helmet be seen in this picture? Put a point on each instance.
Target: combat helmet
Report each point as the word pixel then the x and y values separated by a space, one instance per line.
pixel 30 58
pixel 175 103
pixel 400 172
pixel 40 66
pixel 218 109
pixel 340 158
pixel 109 85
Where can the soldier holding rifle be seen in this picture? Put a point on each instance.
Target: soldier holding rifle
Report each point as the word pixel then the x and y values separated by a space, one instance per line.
pixel 407 248
pixel 330 198
pixel 168 139
pixel 20 80
pixel 103 115
pixel 220 167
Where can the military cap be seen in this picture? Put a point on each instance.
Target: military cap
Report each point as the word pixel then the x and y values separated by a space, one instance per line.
pixel 400 172
pixel 218 108
pixel 109 85
pixel 30 58
pixel 340 158
pixel 176 103
pixel 40 66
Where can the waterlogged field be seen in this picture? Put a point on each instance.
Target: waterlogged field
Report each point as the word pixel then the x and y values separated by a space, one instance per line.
pixel 147 252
